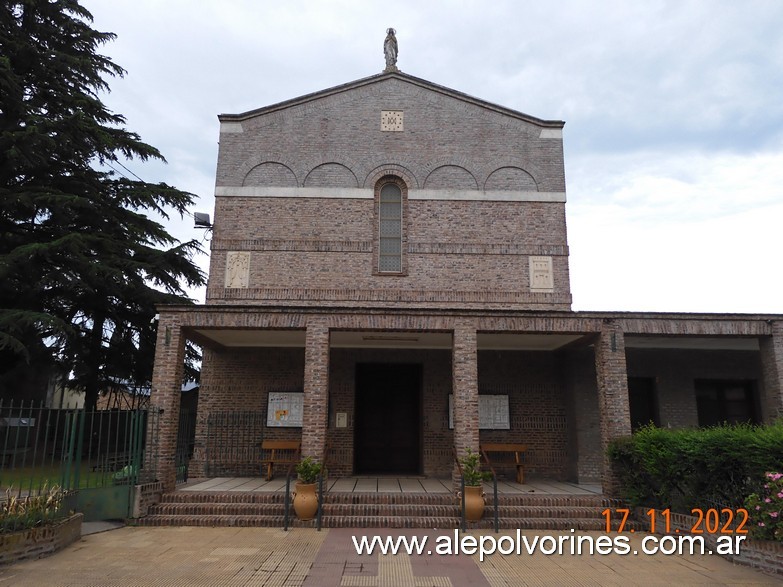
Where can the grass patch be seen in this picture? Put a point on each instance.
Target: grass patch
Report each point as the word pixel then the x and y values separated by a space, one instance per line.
pixel 36 478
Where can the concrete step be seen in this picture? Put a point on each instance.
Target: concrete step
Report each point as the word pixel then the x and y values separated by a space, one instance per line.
pixel 380 510
pixel 222 497
pixel 217 509
pixel 247 521
pixel 336 497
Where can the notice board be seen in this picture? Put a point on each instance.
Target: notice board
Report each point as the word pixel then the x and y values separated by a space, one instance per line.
pixel 493 412
pixel 284 409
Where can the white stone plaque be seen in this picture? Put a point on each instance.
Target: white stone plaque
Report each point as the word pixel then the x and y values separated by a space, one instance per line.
pixel 391 120
pixel 541 279
pixel 237 269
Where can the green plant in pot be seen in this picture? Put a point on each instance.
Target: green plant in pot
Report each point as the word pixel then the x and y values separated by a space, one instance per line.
pixel 305 496
pixel 474 491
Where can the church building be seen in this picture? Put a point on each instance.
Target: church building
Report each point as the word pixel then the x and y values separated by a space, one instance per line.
pixel 389 284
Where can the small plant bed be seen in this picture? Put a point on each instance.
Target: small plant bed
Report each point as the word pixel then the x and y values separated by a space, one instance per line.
pixel 36 525
pixel 25 512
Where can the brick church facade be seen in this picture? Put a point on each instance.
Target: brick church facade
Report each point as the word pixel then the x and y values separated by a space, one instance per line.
pixel 394 254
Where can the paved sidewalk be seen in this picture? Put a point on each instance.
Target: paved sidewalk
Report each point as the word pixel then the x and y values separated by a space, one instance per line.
pixel 305 557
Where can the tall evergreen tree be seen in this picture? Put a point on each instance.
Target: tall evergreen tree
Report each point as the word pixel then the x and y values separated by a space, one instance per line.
pixel 82 263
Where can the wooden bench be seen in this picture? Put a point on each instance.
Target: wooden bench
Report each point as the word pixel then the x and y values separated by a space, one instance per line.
pixel 279 452
pixel 497 450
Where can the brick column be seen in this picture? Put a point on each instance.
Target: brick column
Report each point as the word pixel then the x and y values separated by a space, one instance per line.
pixel 613 404
pixel 165 396
pixel 316 390
pixel 771 348
pixel 464 370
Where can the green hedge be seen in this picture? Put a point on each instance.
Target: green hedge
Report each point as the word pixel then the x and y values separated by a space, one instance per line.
pixel 696 468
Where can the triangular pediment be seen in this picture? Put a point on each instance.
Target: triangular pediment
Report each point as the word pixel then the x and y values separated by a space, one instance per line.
pixel 407 81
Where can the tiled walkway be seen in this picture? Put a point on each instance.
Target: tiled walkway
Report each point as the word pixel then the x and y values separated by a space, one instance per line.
pixel 306 558
pixel 390 485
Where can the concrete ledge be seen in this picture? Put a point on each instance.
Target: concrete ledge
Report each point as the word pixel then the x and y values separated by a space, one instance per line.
pixel 144 497
pixel 39 542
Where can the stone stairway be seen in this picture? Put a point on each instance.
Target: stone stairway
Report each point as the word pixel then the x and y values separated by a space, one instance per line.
pixel 380 510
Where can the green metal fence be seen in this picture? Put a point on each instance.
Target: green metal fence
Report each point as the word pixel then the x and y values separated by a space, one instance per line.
pixel 96 456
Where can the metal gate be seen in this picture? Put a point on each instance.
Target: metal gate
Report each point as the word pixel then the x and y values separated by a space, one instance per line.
pixel 95 457
pixel 102 460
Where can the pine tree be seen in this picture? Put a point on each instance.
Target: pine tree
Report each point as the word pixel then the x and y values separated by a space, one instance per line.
pixel 82 262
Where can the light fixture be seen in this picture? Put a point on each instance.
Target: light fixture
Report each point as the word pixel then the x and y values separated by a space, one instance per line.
pixel 201 220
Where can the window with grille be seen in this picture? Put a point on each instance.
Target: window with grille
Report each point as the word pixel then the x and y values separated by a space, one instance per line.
pixel 390 229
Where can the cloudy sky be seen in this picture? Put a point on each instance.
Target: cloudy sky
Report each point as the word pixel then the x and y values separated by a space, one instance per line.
pixel 673 110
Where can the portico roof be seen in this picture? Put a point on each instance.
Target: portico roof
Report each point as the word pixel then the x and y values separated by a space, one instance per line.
pixel 253 326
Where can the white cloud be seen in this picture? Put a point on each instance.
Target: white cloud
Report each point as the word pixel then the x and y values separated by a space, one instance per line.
pixel 708 242
pixel 674 135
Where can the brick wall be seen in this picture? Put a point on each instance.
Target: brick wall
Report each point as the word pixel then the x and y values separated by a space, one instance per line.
pixel 317 247
pixel 315 406
pixel 537 405
pixel 144 497
pixel 772 373
pixel 613 406
pixel 583 416
pixel 457 253
pixel 166 394
pixel 441 130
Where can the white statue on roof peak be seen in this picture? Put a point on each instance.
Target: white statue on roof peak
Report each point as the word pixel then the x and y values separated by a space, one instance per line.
pixel 390 50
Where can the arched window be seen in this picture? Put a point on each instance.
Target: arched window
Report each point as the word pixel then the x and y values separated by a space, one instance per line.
pixel 390 217
pixel 390 229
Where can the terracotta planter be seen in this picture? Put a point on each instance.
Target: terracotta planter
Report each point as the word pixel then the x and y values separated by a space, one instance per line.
pixel 305 501
pixel 474 503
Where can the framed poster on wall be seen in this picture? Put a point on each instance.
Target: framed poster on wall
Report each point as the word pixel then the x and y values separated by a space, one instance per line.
pixel 493 412
pixel 284 409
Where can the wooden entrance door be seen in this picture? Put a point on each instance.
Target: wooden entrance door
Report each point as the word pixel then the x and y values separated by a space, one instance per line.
pixel 387 420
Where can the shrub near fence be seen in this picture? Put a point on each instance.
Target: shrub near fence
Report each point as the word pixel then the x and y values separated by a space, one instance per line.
pixel 696 468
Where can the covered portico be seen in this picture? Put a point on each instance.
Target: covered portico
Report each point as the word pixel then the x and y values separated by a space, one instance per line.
pixel 571 369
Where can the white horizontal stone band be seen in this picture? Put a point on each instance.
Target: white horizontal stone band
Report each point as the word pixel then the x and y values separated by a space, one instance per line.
pixel 367 194
pixel 551 133
pixel 232 127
